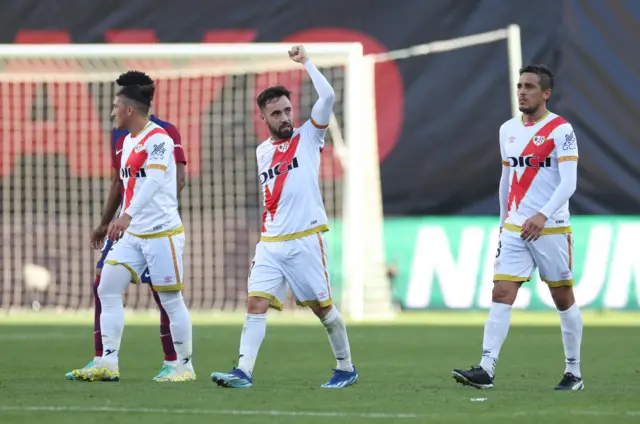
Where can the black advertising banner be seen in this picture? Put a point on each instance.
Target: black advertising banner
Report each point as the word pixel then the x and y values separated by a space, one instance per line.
pixel 438 115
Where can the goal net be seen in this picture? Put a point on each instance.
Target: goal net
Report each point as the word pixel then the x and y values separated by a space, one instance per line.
pixel 55 162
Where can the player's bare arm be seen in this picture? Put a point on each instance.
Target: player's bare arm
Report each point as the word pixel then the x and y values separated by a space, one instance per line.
pixel 180 176
pixel 110 208
pixel 321 112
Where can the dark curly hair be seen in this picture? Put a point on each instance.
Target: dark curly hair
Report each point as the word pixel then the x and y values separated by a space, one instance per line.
pixel 137 87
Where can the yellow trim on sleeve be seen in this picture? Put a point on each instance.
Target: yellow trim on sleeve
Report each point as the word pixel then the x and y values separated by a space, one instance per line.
pixel 567 158
pixel 157 166
pixel 318 126
pixel 505 163
pixel 319 229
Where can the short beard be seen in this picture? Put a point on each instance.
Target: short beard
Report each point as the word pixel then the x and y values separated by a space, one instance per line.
pixel 282 134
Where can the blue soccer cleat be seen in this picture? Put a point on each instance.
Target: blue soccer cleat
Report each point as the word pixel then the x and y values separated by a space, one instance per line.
pixel 341 379
pixel 236 379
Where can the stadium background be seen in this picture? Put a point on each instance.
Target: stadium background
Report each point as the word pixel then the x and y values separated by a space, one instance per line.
pixel 437 116
pixel 437 119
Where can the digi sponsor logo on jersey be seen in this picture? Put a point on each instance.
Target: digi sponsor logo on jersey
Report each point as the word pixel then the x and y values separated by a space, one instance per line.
pixel 128 173
pixel 529 162
pixel 278 169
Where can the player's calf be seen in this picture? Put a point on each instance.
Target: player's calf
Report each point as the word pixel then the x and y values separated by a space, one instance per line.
pixel 180 325
pixel 345 373
pixel 571 328
pixel 496 329
pixel 97 335
pixel 253 333
pixel 170 355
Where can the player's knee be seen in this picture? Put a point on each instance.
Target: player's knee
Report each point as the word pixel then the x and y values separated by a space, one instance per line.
pixel 257 305
pixel 321 311
pixel 563 297
pixel 113 281
pixel 168 297
pixel 505 292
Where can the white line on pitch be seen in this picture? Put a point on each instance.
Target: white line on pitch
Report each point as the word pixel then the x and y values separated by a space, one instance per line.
pixel 202 411
pixel 371 415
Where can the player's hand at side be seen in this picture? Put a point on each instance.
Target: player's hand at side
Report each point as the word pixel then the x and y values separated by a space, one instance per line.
pixel 118 227
pixel 98 235
pixel 298 54
pixel 532 227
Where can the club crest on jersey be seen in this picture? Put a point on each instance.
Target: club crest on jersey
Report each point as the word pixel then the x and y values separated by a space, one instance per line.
pixel 283 147
pixel 538 139
pixel 139 148
pixel 278 169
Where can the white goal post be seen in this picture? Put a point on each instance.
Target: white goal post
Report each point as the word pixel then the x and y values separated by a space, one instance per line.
pixel 26 69
pixel 50 206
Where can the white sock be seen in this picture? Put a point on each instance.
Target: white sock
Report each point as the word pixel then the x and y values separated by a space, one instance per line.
pixel 495 333
pixel 114 280
pixel 253 332
pixel 571 326
pixel 179 324
pixel 111 325
pixel 337 332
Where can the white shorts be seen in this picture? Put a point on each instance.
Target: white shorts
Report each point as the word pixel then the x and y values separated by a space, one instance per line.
pixel 299 264
pixel 163 256
pixel 552 254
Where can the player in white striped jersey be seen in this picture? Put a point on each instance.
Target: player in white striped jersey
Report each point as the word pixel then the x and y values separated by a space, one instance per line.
pixel 148 233
pixel 540 165
pixel 292 250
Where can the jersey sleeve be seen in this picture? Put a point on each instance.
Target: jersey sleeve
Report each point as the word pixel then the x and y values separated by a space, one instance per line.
pixel 178 149
pixel 114 156
pixel 315 133
pixel 566 143
pixel 159 149
pixel 322 108
pixel 502 139
pixel 503 187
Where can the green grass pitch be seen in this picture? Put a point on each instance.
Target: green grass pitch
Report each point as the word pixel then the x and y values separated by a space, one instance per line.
pixel 405 373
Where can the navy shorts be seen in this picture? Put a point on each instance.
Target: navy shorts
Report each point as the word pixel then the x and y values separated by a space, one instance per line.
pixel 108 245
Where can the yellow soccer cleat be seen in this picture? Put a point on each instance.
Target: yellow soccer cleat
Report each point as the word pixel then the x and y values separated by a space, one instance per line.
pixel 100 371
